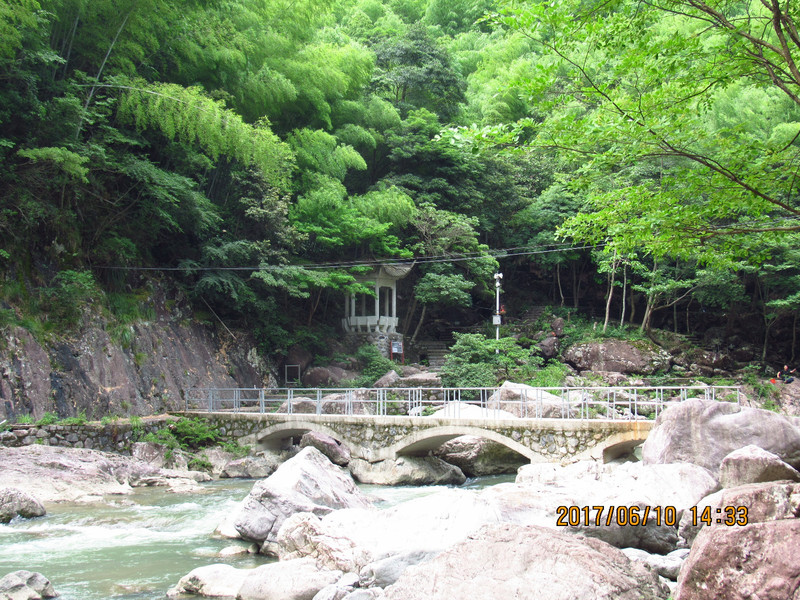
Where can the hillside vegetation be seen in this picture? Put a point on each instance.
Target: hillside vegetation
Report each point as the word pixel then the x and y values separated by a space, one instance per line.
pixel 635 162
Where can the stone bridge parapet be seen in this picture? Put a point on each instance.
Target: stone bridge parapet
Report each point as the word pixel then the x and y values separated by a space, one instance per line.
pixel 376 438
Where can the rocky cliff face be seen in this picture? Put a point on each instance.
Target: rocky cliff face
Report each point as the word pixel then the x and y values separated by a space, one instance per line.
pixel 147 372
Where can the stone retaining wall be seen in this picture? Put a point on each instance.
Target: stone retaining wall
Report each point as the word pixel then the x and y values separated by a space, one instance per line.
pixel 116 436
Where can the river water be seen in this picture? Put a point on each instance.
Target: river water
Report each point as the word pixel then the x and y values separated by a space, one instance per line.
pixel 137 547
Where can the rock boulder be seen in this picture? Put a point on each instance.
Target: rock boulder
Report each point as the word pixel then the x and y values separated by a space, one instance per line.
pixel 752 464
pixel 251 467
pixel 621 356
pixel 299 579
pixel 525 401
pixel 211 580
pixel 16 503
pixel 477 456
pixel 337 453
pixel 407 470
pixel 512 561
pixel 742 563
pixel 704 432
pixel 55 474
pixel 309 482
pixel 765 502
pixel 26 585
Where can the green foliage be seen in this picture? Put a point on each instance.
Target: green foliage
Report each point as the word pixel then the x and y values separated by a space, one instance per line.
pixel 189 116
pixel 79 419
pixel 48 418
pixel 373 365
pixel 200 463
pixel 235 448
pixel 108 420
pixel 477 361
pixel 164 437
pixel 70 291
pixel 550 375
pixel 25 419
pixel 194 433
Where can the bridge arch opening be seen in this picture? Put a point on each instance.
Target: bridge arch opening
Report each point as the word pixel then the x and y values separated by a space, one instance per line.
pixel 422 442
pixel 282 436
pixel 630 450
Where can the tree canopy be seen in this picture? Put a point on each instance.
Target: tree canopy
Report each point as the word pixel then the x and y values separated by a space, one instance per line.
pixel 626 159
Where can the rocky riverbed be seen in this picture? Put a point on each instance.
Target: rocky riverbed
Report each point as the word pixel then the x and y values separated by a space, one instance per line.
pixel 709 512
pixel 579 531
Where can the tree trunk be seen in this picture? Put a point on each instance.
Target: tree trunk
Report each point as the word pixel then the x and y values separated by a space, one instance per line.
pixel 648 313
pixel 421 320
pixel 558 279
pixel 412 308
pixel 608 300
pixel 99 75
pixel 624 292
pixel 313 307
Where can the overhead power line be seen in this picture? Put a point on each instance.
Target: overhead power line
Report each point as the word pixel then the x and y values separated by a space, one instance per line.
pixel 461 257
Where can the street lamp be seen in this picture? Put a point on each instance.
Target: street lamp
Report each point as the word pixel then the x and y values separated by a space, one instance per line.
pixel 497 318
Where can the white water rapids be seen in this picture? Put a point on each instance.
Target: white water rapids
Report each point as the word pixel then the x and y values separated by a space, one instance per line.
pixel 136 547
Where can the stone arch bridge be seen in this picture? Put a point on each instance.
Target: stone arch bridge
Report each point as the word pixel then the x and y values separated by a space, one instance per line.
pixel 376 438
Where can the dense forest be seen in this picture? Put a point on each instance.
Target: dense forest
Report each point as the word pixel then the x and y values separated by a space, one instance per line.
pixel 636 161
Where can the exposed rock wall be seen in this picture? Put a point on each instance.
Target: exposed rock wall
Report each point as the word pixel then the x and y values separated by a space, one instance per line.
pixel 144 371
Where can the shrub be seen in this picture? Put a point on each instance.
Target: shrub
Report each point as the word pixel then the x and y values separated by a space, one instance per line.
pixel 551 375
pixel 477 361
pixel 200 463
pixel 70 291
pixel 194 433
pixel 48 418
pixel 78 419
pixel 374 365
pixel 235 448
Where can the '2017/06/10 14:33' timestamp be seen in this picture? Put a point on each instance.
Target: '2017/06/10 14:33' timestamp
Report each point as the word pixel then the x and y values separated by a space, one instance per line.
pixel 574 516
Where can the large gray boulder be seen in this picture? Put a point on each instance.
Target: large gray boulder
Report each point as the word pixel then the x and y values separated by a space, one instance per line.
pixel 16 503
pixel 251 467
pixel 26 585
pixel 525 401
pixel 286 580
pixel 308 482
pixel 477 456
pixel 211 580
pixel 627 485
pixel 379 544
pixel 56 474
pixel 621 356
pixel 760 560
pixel 704 432
pixel 160 455
pixel 527 562
pixel 765 502
pixel 337 453
pixel 407 470
pixel 752 464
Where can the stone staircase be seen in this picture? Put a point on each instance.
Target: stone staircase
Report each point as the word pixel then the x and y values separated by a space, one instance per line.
pixel 434 351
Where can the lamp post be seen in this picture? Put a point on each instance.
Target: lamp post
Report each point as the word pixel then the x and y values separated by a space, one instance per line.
pixel 497 318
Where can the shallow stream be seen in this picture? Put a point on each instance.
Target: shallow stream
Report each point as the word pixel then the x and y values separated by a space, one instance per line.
pixel 138 546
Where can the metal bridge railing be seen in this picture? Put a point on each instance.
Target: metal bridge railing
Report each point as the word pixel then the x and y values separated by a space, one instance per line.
pixel 614 403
